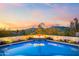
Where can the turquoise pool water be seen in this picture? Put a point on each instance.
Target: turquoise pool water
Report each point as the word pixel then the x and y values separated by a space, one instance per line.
pixel 39 47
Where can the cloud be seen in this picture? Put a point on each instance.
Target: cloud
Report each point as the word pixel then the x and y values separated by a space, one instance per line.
pixel 5 5
pixel 18 25
pixel 18 4
pixel 2 6
pixel 36 14
pixel 62 12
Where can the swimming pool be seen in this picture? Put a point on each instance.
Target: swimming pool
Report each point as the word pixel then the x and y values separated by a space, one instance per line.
pixel 39 47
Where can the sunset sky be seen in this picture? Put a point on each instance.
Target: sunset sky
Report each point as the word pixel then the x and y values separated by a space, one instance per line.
pixel 18 15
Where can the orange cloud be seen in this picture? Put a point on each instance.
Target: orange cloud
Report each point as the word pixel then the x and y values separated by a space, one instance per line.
pixel 18 25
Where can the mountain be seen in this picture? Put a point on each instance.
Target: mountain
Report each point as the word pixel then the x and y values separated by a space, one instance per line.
pixel 61 28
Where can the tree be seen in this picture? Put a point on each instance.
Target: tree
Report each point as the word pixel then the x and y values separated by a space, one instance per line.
pixel 76 24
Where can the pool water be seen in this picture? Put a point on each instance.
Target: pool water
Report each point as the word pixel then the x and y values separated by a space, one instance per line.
pixel 39 47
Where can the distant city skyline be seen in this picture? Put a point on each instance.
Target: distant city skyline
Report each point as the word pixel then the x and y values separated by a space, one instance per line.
pixel 15 15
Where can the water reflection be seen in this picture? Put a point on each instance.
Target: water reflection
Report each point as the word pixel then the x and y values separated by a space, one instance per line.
pixel 2 52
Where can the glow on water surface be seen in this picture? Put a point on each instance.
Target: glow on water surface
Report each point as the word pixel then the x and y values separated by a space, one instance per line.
pixel 40 48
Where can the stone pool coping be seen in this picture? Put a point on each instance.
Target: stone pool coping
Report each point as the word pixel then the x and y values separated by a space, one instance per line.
pixel 30 40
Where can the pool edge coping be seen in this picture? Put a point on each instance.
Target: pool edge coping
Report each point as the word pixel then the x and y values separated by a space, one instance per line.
pixel 30 40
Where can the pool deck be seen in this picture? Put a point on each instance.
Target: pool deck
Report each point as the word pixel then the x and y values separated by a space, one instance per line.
pixel 68 43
